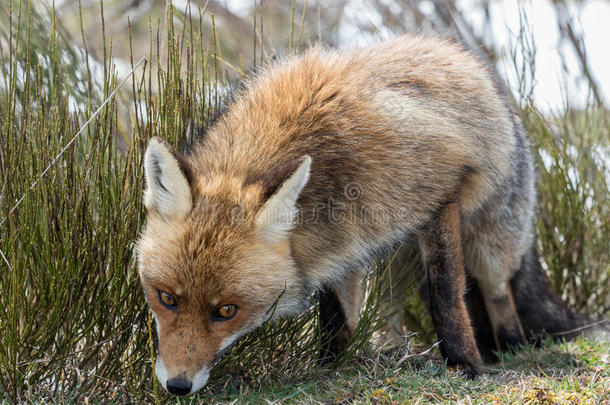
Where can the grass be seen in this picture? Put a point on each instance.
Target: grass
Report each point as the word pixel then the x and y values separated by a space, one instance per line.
pixel 73 321
pixel 569 372
pixel 576 372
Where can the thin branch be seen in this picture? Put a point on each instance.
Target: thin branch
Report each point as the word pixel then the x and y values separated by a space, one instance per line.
pixel 80 131
pixel 567 31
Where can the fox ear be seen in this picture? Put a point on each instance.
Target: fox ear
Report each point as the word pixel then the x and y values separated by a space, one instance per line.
pixel 282 187
pixel 168 192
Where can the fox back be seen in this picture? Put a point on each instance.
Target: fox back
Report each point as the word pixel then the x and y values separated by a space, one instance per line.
pixel 324 161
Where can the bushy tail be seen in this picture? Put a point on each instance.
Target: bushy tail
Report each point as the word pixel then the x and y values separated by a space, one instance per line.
pixel 542 312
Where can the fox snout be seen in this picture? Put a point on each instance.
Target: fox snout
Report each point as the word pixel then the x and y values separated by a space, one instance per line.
pixel 179 386
pixel 181 383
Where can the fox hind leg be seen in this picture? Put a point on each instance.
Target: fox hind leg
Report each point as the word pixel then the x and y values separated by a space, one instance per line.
pixel 441 248
pixel 491 250
pixel 502 312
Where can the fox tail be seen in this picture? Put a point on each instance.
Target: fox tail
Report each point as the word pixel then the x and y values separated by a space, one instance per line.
pixel 542 312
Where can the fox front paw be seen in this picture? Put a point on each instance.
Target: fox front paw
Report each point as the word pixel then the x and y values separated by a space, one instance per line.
pixel 471 371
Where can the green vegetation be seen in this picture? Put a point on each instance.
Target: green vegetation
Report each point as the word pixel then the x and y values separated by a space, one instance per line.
pixel 568 373
pixel 74 325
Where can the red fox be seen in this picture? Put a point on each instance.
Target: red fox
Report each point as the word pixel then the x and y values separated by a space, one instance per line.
pixel 323 163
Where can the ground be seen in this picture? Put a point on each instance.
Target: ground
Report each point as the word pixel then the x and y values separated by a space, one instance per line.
pixel 575 372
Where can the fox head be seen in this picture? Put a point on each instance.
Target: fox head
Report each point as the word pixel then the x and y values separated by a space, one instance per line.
pixel 214 259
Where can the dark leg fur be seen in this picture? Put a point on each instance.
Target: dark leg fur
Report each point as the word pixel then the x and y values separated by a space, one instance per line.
pixel 442 248
pixel 335 334
pixel 481 325
pixel 540 309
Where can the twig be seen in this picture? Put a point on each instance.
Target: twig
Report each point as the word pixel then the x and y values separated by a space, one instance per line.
pixel 80 131
pixel 411 355
pixel 584 327
pixel 567 31
pixel 6 260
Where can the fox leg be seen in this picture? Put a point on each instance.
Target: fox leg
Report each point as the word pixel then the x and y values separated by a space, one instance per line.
pixel 441 249
pixel 491 257
pixel 503 316
pixel 339 315
pixel 394 288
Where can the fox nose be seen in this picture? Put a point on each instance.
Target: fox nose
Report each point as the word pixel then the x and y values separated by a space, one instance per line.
pixel 179 386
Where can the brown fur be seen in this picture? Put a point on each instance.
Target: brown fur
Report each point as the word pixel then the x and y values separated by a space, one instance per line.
pixel 442 250
pixel 362 116
pixel 373 143
pixel 505 321
pixel 321 105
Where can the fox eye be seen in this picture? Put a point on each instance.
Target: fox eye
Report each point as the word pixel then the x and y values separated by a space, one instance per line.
pixel 225 312
pixel 167 300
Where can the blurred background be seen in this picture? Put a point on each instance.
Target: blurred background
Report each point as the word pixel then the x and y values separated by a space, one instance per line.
pixel 568 38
